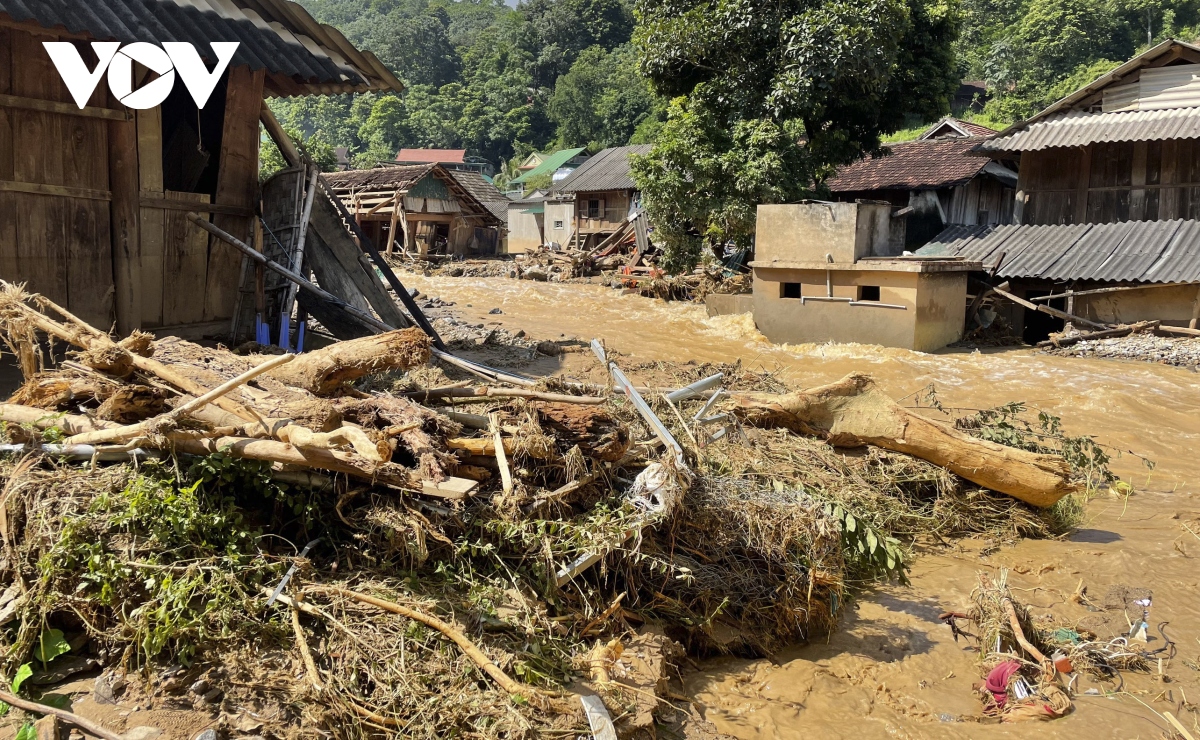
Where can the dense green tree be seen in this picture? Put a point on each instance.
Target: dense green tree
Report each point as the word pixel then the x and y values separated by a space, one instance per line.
pixel 752 82
pixel 560 30
pixel 418 49
pixel 602 100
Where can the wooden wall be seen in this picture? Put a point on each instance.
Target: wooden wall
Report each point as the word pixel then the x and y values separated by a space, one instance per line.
pixel 615 207
pixel 55 192
pixel 84 215
pixel 983 201
pixel 1111 182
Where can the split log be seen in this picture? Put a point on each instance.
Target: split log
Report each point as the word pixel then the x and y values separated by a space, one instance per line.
pixel 852 412
pixel 410 421
pixel 489 392
pixel 41 419
pixel 323 371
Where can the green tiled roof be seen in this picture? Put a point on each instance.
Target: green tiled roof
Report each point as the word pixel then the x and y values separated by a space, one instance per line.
pixel 550 163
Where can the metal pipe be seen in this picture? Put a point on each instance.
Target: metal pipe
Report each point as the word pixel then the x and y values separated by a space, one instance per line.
pixel 829 299
pixel 695 389
pixel 877 304
pixel 640 404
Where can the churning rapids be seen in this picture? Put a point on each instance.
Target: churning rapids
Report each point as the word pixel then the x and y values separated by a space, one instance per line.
pixel 893 670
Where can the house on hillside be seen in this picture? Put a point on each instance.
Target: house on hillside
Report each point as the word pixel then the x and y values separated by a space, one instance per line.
pixel 451 159
pixel 1108 195
pixel 601 194
pixel 424 209
pixel 932 182
pixel 559 164
pixel 94 201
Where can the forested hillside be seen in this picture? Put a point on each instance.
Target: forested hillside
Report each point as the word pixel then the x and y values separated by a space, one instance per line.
pixel 496 81
pixel 501 82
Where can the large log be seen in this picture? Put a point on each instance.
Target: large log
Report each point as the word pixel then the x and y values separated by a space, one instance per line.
pixel 324 370
pixel 852 412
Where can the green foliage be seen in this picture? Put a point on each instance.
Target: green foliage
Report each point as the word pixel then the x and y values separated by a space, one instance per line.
pixel 750 81
pixel 23 673
pixel 51 644
pixel 27 732
pixel 197 570
pixel 870 554
pixel 602 100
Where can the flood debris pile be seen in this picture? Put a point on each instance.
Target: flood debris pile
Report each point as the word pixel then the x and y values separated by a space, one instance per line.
pixel 1031 666
pixel 363 540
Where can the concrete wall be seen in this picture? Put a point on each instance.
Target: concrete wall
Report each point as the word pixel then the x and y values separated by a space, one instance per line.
pixel 935 305
pixel 941 309
pixel 1173 305
pixel 727 304
pixel 524 229
pixel 806 232
pixel 559 213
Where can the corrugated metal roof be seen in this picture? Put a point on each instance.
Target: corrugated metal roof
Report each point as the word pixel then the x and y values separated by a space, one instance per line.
pixel 1130 251
pixel 550 164
pixel 274 35
pixel 1079 128
pixel 608 170
pixel 450 156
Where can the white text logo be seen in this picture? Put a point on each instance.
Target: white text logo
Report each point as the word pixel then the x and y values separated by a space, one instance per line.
pixel 165 61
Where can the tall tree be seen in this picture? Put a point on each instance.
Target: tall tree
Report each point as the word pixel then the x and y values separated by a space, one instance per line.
pixel 770 98
pixel 602 100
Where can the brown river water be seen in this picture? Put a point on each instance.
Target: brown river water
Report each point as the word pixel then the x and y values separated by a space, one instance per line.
pixel 893 670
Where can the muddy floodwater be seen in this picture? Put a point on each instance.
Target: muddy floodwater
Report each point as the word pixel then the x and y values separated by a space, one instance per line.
pixel 893 670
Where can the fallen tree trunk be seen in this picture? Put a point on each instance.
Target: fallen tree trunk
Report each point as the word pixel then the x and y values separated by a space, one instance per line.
pixel 852 412
pixel 1119 331
pixel 322 371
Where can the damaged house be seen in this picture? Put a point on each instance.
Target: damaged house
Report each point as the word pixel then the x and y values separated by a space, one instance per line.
pixel 595 201
pixel 1106 214
pixel 94 201
pixel 932 182
pixel 425 209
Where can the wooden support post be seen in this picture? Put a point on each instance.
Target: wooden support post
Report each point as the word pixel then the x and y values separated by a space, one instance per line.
pixel 391 242
pixel 1195 311
pixel 1082 184
pixel 126 241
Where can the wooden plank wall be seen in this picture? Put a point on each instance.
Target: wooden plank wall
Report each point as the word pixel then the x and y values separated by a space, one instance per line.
pixel 54 185
pixel 1112 182
pixel 982 201
pixel 237 185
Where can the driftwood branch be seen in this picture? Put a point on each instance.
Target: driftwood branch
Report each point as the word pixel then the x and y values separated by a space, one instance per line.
pixel 489 392
pixel 852 412
pixel 88 726
pixel 133 431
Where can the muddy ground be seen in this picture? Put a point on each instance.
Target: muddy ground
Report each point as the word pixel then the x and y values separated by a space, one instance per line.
pixel 894 670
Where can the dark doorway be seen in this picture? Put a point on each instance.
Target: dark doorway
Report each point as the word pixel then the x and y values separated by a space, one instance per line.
pixel 1039 326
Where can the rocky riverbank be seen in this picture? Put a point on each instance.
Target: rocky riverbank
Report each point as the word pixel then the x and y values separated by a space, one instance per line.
pixel 1145 347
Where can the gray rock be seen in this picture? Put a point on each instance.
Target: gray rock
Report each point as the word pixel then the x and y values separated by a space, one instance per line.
pixel 495 311
pixel 209 734
pixel 142 733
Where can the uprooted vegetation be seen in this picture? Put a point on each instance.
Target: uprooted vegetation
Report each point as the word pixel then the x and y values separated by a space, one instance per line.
pixel 513 522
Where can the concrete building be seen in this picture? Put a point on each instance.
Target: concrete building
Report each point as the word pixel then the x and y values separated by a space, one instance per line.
pixel 604 196
pixel 934 182
pixel 826 272
pixel 1107 197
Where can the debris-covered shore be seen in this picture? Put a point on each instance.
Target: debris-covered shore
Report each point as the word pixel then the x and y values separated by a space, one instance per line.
pixel 452 554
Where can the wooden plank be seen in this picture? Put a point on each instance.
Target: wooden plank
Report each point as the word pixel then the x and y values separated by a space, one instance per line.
pixel 150 225
pixel 39 158
pixel 185 263
pixel 1081 188
pixel 6 140
pixel 42 245
pixel 154 200
pixel 60 191
pixel 20 102
pixel 327 223
pixel 330 274
pixel 124 224
pixel 1137 196
pixel 454 489
pixel 1168 199
pixel 89 260
pixel 237 185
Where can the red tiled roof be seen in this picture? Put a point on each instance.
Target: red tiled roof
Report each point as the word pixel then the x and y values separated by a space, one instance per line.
pixel 431 155
pixel 912 165
pixel 975 128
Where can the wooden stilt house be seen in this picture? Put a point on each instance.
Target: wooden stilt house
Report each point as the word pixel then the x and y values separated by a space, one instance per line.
pixel 93 201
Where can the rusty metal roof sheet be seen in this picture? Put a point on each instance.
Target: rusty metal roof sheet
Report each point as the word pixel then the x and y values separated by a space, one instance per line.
pixel 608 170
pixel 1130 251
pixel 301 55
pixel 1080 128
